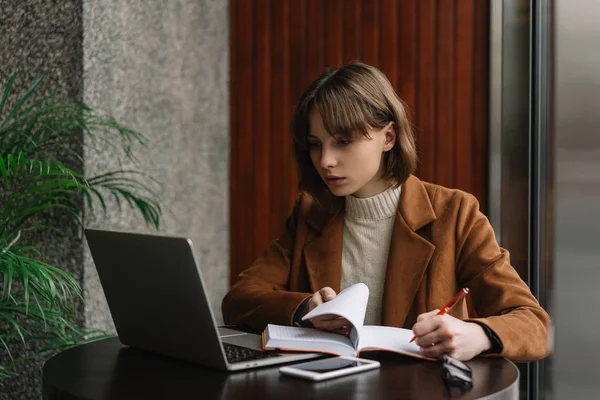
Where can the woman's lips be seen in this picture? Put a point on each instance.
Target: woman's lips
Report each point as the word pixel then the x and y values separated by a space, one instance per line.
pixel 334 181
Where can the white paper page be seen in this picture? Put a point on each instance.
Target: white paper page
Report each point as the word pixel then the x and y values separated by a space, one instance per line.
pixel 350 303
pixel 388 338
pixel 308 339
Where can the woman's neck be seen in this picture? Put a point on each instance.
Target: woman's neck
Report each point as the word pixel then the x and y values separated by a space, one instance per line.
pixel 381 186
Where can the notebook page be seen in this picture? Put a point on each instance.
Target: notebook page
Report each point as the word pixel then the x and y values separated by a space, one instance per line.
pixel 388 338
pixel 289 337
pixel 305 334
pixel 350 303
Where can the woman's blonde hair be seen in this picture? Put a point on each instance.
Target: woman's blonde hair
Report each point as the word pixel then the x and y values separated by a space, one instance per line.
pixel 351 100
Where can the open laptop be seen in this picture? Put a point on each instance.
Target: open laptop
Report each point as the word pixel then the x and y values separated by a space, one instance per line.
pixel 159 302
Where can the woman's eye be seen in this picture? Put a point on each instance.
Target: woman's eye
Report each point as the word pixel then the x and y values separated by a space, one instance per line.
pixel 344 142
pixel 312 145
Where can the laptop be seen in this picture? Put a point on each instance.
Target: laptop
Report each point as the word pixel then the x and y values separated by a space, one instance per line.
pixel 158 301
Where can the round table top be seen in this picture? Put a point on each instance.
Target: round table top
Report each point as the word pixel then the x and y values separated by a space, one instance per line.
pixel 106 369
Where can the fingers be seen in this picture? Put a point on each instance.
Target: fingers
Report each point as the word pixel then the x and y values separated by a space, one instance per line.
pixel 322 296
pixel 345 330
pixel 427 315
pixel 427 340
pixel 327 322
pixel 429 334
pixel 330 323
pixel 327 293
pixel 434 350
pixel 444 334
pixel 427 324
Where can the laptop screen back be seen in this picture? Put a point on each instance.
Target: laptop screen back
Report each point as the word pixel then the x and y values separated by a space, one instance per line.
pixel 156 295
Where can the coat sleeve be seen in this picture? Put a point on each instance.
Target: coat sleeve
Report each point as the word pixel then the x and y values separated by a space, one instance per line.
pixel 502 301
pixel 261 294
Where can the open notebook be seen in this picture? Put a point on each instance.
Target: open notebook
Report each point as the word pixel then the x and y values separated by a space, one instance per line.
pixel 350 303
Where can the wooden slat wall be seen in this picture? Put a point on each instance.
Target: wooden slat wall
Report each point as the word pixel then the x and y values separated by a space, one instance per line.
pixel 435 53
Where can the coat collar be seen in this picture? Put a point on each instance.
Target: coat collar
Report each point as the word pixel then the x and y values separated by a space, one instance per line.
pixel 415 207
pixel 408 258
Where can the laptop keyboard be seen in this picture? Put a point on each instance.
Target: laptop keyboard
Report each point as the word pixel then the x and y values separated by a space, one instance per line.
pixel 238 353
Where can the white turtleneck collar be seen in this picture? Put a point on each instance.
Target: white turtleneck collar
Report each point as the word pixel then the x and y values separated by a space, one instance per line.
pixel 381 206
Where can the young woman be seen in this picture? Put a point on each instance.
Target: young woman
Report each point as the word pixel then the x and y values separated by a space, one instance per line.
pixel 363 217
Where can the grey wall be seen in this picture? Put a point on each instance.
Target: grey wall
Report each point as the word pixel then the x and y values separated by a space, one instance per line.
pixel 40 37
pixel 162 69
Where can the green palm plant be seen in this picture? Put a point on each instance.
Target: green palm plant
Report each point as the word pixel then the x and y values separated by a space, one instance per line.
pixel 38 300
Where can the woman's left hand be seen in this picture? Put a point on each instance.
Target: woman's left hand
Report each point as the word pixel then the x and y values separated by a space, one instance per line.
pixel 444 334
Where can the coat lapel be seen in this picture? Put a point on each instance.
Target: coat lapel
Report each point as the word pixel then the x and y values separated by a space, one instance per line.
pixel 408 259
pixel 323 249
pixel 409 253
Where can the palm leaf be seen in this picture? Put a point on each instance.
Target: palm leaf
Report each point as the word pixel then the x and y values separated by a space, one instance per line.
pixel 38 300
pixel 21 101
pixel 53 285
pixel 122 185
pixel 6 91
pixel 18 328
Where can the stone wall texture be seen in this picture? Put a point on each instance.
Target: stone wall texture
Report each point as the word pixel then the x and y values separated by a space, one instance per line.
pixel 160 68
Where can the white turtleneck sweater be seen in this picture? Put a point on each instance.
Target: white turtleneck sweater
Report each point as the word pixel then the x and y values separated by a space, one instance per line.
pixel 368 225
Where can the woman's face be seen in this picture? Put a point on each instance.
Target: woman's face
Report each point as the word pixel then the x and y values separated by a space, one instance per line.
pixel 350 166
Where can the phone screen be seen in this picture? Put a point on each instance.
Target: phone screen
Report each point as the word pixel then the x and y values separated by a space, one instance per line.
pixel 328 365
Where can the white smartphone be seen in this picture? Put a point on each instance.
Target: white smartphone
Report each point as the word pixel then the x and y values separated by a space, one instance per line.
pixel 329 368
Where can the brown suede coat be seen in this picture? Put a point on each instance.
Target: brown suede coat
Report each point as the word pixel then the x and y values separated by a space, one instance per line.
pixel 441 242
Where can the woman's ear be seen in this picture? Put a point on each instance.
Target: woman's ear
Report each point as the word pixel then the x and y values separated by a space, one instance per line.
pixel 390 137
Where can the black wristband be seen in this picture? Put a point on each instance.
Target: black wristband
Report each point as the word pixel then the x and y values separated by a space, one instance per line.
pixel 298 317
pixel 497 346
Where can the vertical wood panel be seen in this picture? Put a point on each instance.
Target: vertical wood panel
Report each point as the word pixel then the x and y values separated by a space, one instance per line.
pixel 333 32
pixel 235 242
pixel 444 82
pixel 262 126
pixel 351 24
pixel 315 40
pixel 463 88
pixel 298 63
pixel 433 51
pixel 242 222
pixel 298 50
pixel 407 52
pixel 426 110
pixel 279 111
pixel 370 32
pixel 388 34
pixel 480 101
pixel 288 186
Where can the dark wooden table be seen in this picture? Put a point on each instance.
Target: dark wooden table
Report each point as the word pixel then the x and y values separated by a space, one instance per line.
pixel 108 370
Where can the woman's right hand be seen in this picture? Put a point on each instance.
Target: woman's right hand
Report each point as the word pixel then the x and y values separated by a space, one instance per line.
pixel 331 323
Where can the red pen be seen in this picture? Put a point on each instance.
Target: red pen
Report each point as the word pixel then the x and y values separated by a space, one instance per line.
pixel 463 292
